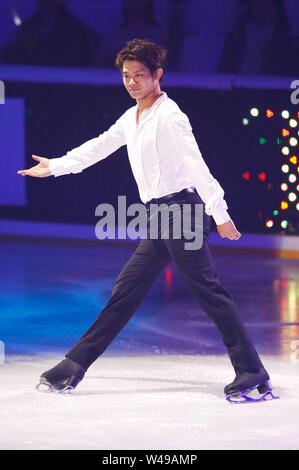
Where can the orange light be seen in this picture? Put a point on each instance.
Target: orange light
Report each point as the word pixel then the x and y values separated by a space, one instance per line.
pixel 285 132
pixel 269 113
pixel 284 205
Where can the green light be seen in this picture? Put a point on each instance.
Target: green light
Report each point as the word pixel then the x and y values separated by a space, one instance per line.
pixel 245 122
pixel 275 212
pixel 278 140
pixel 263 140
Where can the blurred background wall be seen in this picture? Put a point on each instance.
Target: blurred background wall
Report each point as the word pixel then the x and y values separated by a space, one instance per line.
pixel 230 67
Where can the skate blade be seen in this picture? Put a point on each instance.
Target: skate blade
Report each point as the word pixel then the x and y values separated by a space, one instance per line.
pixel 243 397
pixel 46 387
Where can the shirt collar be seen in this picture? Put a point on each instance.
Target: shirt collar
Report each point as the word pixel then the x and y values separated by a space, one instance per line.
pixel 150 111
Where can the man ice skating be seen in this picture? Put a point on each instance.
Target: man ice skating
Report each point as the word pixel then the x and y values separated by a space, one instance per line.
pixel 168 168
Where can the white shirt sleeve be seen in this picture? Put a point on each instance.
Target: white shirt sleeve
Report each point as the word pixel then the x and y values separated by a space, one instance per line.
pixel 90 152
pixel 180 132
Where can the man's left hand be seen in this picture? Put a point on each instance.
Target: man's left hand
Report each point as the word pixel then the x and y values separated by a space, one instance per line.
pixel 228 230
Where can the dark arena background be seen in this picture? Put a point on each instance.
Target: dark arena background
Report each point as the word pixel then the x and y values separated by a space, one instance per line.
pixel 233 70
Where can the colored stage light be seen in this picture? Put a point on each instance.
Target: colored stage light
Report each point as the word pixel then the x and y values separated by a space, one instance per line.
pixel 284 205
pixel 284 187
pixel 275 212
pixel 297 206
pixel 293 123
pixel 285 150
pixel 262 140
pixel 285 114
pixel 285 168
pixel 262 176
pixel 284 223
pixel 269 113
pixel 293 141
pixel 245 122
pixel 254 112
pixel 297 187
pixel 292 178
pixel 246 175
pixel 285 133
pixel 293 159
pixel 292 197
pixel 269 223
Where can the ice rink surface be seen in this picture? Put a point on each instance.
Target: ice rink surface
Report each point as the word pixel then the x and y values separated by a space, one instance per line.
pixel 146 402
pixel 160 383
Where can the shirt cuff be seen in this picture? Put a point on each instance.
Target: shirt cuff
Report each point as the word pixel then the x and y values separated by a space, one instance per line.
pixel 220 216
pixel 56 167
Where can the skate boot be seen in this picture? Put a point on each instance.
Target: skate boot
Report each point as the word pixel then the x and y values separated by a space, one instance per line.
pixel 62 378
pixel 249 381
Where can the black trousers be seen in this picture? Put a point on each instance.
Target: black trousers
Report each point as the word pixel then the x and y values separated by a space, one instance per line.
pixel 197 271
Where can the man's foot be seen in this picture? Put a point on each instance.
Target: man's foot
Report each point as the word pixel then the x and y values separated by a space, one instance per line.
pixel 246 382
pixel 62 378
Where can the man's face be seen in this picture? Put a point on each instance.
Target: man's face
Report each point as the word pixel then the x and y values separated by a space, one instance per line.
pixel 137 79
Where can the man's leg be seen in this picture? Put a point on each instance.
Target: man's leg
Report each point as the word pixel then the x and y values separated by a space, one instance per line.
pixel 133 282
pixel 197 270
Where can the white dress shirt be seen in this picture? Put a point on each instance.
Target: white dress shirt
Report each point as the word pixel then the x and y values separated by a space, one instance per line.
pixel 163 154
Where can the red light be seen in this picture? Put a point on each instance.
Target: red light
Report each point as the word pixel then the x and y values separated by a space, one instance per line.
pixel 168 275
pixel 269 113
pixel 285 132
pixel 246 175
pixel 262 176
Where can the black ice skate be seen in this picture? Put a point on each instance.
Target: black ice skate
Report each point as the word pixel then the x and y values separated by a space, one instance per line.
pixel 62 378
pixel 247 382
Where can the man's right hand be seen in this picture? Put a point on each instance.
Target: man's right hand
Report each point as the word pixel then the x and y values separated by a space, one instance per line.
pixel 41 170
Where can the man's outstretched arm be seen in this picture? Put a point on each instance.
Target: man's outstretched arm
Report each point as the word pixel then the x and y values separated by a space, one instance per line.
pixel 80 157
